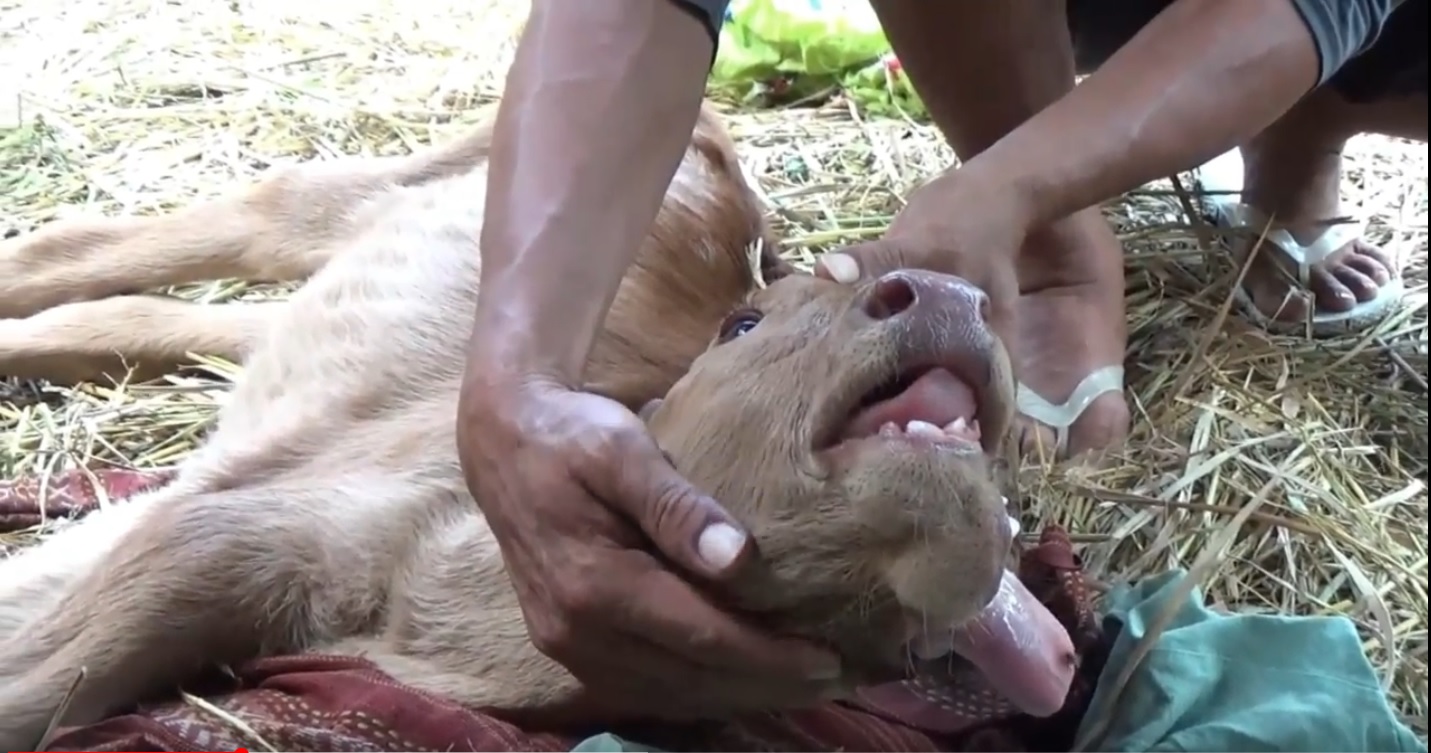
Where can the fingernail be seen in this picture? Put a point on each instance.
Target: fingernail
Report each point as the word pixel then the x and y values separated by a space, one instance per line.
pixel 719 544
pixel 841 267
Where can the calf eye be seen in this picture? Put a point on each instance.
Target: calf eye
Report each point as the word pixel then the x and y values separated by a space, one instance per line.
pixel 739 323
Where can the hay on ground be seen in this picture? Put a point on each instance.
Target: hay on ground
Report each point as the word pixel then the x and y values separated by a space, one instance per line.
pixel 137 107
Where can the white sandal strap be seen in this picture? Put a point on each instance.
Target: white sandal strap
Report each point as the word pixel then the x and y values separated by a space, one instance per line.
pixel 1239 216
pixel 1224 174
pixel 1061 416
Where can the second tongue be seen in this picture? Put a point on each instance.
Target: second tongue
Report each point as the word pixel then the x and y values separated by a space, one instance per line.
pixel 1020 648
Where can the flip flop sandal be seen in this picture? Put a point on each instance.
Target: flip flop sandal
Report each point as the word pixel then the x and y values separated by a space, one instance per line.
pixel 1062 416
pixel 1224 173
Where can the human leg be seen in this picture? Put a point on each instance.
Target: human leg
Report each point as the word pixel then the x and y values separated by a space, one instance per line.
pixel 982 69
pixel 1311 273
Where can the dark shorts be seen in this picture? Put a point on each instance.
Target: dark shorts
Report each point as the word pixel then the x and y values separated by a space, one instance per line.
pixel 1393 67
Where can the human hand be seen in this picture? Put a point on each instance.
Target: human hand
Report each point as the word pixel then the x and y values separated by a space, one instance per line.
pixel 958 223
pixel 562 476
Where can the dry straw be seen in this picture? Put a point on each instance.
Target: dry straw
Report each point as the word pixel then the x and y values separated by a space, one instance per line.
pixel 135 106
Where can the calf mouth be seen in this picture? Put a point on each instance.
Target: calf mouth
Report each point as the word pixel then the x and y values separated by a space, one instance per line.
pixel 927 405
pixel 925 401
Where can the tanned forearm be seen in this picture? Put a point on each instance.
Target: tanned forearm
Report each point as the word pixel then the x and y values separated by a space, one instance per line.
pixel 1199 79
pixel 598 110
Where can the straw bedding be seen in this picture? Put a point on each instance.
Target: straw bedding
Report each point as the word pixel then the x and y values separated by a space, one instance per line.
pixel 1288 474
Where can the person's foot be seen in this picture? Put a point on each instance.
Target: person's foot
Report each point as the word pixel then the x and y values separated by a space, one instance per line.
pixel 1070 338
pixel 1296 179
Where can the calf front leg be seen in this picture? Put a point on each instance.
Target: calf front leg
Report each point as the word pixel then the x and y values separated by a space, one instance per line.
pixel 136 336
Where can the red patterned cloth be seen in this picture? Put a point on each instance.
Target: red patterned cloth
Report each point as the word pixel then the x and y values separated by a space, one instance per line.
pixel 333 703
pixel 26 502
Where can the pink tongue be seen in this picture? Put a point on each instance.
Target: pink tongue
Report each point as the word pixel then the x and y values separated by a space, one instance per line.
pixel 1021 649
pixel 937 397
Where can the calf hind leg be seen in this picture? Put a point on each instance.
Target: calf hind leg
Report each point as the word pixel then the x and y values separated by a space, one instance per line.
pixel 282 229
pixel 34 580
pixel 203 580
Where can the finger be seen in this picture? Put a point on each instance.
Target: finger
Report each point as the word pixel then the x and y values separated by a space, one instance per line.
pixel 688 527
pixel 661 686
pixel 622 679
pixel 1003 291
pixel 863 261
pixel 671 614
pixel 673 689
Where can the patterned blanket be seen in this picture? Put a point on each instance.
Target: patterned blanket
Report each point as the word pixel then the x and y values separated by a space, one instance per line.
pixel 334 703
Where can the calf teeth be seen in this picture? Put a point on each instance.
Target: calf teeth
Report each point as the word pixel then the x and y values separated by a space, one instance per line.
pixel 924 429
pixel 960 429
pixel 964 429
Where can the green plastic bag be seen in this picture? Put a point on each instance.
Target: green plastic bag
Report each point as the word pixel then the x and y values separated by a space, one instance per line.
pixel 882 88
pixel 803 46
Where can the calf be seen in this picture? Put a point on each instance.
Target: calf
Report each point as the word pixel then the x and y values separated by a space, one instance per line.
pixel 849 427
pixel 70 308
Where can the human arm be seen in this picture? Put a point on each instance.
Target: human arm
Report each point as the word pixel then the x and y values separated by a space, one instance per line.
pixel 1200 78
pixel 599 107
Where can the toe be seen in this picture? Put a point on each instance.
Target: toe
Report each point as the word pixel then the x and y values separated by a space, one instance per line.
pixel 1371 263
pixel 1276 296
pixel 1037 441
pixel 1331 293
pixel 1104 424
pixel 1361 286
pixel 1364 249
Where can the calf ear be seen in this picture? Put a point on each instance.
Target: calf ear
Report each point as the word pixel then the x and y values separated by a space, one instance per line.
pixel 649 409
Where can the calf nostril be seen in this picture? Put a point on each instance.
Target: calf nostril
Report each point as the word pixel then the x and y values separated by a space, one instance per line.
pixel 890 296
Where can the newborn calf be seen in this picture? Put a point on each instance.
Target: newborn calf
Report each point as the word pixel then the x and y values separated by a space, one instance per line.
pixel 843 425
pixel 848 427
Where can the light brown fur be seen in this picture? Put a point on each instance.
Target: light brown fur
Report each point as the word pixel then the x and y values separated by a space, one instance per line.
pixel 72 294
pixel 328 512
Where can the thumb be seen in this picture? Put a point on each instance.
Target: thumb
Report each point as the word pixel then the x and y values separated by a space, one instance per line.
pixel 688 527
pixel 862 261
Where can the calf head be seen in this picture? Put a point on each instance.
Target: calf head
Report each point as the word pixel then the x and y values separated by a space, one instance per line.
pixel 705 248
pixel 851 429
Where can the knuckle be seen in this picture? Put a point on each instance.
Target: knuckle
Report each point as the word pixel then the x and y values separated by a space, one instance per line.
pixel 600 448
pixel 627 440
pixel 705 640
pixel 553 637
pixel 582 600
pixel 549 630
pixel 674 507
